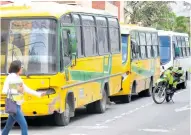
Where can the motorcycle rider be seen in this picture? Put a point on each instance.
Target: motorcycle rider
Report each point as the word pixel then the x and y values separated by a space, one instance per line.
pixel 173 76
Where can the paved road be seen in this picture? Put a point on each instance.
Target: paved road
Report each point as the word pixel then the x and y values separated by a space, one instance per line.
pixel 140 117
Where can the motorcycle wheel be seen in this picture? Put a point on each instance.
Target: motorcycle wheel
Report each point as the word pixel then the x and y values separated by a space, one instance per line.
pixel 159 91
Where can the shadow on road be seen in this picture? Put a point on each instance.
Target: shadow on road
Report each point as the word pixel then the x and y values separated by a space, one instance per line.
pixel 46 123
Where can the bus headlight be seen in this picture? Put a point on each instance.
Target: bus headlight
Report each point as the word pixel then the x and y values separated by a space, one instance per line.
pixel 48 91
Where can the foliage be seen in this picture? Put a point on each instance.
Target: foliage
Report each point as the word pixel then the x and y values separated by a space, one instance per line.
pixel 156 14
pixel 182 24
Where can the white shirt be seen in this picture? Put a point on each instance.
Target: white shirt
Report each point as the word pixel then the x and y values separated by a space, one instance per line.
pixel 15 79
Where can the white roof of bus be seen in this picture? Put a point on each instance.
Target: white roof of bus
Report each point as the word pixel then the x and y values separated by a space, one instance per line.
pixel 170 33
pixel 125 29
pixel 40 8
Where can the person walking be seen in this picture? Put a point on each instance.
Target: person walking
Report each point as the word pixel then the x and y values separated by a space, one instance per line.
pixel 15 86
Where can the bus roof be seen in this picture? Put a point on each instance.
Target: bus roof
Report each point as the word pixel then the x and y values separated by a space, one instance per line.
pixel 171 33
pixel 45 9
pixel 125 28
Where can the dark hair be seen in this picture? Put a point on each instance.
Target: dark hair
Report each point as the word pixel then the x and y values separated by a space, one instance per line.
pixel 15 66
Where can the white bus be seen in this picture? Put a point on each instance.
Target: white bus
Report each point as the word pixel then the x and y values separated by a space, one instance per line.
pixel 175 51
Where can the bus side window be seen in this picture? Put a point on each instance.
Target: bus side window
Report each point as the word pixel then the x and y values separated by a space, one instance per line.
pixel 176 50
pixel 124 40
pixel 143 51
pixel 134 49
pixel 102 35
pixel 135 45
pixel 155 45
pixel 179 45
pixel 66 47
pixel 79 41
pixel 114 35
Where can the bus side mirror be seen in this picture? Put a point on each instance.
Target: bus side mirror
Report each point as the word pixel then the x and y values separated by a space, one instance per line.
pixel 163 67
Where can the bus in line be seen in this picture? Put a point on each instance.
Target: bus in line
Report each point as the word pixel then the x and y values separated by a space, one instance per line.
pixel 175 51
pixel 140 62
pixel 72 53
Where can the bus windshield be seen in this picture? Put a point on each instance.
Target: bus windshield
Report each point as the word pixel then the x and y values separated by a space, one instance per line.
pixel 165 49
pixel 32 41
pixel 124 40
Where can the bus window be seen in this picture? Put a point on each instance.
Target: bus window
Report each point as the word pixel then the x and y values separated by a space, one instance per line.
pixel 135 45
pixel 4 40
pixel 89 35
pixel 143 45
pixel 66 47
pixel 39 37
pixel 165 49
pixel 80 50
pixel 176 50
pixel 103 45
pixel 187 46
pixel 114 35
pixel 135 52
pixel 179 45
pixel 149 43
pixel 19 42
pixel 155 45
pixel 137 38
pixel 124 39
pixel 183 46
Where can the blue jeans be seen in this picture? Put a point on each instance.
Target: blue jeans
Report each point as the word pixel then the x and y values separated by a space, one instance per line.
pixel 20 119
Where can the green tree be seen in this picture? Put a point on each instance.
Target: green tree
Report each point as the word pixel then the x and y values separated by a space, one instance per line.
pixel 182 24
pixel 147 12
pixel 156 14
pixel 132 11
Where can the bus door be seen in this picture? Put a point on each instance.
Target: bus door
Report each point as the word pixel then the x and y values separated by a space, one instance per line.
pixel 67 55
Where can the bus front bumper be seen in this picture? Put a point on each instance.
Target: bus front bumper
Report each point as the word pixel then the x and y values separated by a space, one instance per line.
pixel 40 107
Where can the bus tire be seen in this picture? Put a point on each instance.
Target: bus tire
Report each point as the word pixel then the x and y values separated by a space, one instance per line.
pixel 99 106
pixel 63 119
pixel 148 92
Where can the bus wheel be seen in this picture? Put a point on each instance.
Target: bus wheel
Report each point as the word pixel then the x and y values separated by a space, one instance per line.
pixel 126 99
pixel 148 92
pixel 98 106
pixel 63 119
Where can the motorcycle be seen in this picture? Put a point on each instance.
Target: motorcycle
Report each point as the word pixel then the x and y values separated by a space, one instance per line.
pixel 163 90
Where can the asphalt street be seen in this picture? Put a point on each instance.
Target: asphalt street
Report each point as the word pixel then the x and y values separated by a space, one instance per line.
pixel 140 117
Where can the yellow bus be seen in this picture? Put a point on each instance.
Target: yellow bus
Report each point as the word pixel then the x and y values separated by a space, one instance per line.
pixel 141 62
pixel 72 53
